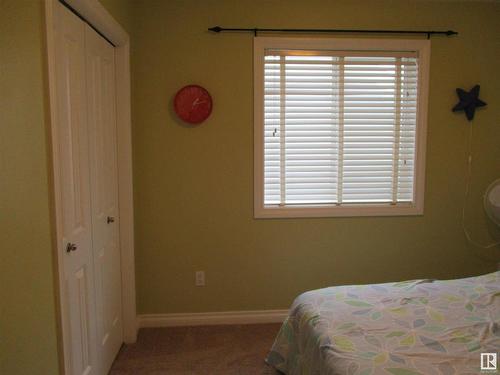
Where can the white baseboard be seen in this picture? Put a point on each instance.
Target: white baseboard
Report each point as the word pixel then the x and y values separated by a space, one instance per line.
pixel 211 318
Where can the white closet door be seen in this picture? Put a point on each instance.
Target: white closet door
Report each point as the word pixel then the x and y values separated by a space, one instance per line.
pixel 73 159
pixel 104 194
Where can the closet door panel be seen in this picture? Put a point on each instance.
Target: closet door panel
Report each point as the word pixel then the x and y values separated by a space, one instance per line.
pixel 104 193
pixel 74 176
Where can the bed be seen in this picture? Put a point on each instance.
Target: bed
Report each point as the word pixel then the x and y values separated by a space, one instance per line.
pixel 413 327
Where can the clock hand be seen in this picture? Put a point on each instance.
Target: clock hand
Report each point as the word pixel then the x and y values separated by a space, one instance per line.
pixel 197 102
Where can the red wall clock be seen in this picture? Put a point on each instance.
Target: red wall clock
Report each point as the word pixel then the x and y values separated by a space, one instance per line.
pixel 193 104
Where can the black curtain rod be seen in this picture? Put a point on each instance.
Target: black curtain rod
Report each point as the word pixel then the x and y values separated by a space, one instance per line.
pixel 218 29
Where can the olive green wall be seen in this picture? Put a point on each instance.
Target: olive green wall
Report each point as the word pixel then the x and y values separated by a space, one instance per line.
pixel 27 309
pixel 28 338
pixel 193 186
pixel 121 10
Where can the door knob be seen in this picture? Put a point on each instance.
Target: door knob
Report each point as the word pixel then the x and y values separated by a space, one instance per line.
pixel 110 219
pixel 71 247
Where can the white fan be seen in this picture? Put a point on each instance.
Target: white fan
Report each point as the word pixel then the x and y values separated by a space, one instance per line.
pixel 492 201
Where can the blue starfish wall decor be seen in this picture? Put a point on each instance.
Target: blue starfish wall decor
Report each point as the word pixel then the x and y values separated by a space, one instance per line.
pixel 468 102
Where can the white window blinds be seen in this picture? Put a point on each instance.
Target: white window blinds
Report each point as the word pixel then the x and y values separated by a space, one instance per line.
pixel 339 127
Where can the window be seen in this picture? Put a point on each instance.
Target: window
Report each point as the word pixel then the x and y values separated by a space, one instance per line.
pixel 339 126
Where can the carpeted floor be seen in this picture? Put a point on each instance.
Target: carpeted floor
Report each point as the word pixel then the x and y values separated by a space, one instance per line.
pixel 204 350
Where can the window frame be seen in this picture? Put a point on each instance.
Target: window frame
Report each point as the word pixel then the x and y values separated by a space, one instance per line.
pixel 421 47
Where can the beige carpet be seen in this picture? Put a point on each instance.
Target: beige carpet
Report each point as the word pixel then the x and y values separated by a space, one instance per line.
pixel 221 350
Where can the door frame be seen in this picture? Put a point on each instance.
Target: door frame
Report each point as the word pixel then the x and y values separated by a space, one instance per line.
pixel 101 20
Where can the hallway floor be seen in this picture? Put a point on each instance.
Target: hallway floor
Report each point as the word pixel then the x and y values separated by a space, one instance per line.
pixel 202 350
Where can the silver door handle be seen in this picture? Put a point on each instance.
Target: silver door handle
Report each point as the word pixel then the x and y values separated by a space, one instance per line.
pixel 71 247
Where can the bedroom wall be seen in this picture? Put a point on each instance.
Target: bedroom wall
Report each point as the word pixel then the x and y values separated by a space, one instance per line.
pixel 193 186
pixel 28 336
pixel 27 309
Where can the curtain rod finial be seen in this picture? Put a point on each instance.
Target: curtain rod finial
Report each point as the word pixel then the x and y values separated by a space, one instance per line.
pixel 215 29
pixel 451 32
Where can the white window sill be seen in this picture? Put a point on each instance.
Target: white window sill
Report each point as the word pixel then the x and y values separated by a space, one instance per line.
pixel 270 212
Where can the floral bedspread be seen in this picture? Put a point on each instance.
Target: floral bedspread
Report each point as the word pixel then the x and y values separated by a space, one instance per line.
pixel 413 327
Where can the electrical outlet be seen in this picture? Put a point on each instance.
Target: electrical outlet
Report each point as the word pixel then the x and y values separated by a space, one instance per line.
pixel 200 278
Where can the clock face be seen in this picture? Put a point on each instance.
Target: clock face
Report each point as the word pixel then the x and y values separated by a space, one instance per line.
pixel 193 104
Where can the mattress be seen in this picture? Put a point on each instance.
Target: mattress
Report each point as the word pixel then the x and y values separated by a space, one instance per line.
pixel 413 327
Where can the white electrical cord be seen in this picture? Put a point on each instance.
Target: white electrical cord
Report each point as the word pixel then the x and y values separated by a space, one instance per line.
pixel 466 196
